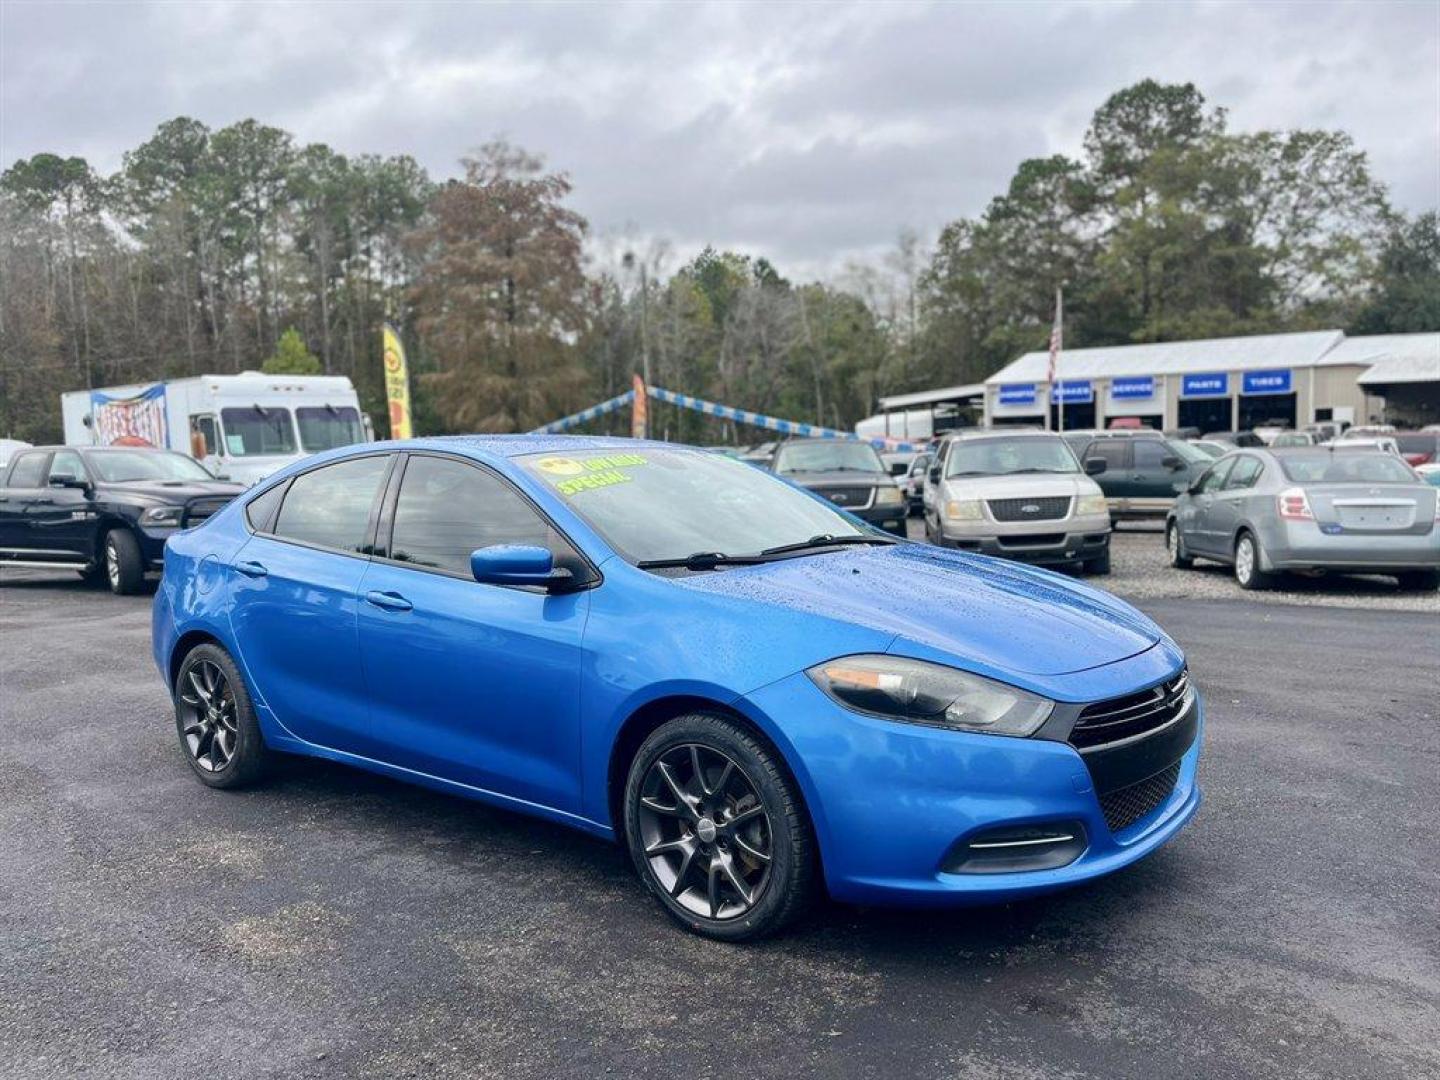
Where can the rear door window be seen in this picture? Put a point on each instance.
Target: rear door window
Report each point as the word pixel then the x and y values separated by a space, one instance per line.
pixel 1149 453
pixel 1244 473
pixel 1214 477
pixel 330 507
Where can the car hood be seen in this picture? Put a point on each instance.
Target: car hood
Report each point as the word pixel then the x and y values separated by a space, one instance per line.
pixel 843 478
pixel 1021 486
pixel 984 612
pixel 170 491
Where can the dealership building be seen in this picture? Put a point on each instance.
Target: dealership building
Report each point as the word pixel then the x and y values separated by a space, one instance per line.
pixel 1227 384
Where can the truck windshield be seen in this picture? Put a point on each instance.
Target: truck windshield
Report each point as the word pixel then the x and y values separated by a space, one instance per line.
pixel 120 466
pixel 324 427
pixel 1011 454
pixel 256 431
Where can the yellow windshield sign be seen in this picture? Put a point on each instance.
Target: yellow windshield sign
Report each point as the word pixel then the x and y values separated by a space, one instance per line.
pixel 570 476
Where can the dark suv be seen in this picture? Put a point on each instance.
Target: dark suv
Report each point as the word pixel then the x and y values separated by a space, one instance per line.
pixel 104 511
pixel 1143 472
pixel 849 474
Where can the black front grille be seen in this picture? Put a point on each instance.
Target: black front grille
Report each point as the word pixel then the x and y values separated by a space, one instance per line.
pixel 197 510
pixel 1134 714
pixel 850 498
pixel 1127 805
pixel 1050 508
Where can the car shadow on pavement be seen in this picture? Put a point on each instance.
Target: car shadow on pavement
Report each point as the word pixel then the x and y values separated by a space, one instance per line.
pixel 512 851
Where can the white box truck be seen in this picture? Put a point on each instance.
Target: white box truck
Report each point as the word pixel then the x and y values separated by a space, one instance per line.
pixel 243 427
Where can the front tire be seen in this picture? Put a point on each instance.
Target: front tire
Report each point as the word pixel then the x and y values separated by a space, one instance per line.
pixel 1099 566
pixel 123 567
pixel 716 829
pixel 215 720
pixel 1247 564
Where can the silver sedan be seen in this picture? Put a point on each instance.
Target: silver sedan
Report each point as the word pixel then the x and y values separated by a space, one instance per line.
pixel 1309 509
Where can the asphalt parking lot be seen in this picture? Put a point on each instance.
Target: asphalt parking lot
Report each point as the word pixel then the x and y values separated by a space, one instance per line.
pixel 334 924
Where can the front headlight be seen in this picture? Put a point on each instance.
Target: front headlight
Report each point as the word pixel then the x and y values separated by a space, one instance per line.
pixel 890 496
pixel 923 693
pixel 161 516
pixel 964 510
pixel 1091 504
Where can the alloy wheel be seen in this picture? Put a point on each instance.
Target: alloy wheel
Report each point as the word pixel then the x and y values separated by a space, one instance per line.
pixel 112 562
pixel 1174 543
pixel 207 716
pixel 705 832
pixel 1244 559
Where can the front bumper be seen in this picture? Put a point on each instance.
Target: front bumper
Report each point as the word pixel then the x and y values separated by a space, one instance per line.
pixel 892 801
pixel 1069 539
pixel 889 518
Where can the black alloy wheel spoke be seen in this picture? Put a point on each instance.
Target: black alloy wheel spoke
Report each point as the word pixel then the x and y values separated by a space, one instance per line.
pixel 695 803
pixel 209 726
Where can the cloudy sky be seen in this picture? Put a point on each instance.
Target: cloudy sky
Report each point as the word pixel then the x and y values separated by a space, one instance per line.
pixel 809 132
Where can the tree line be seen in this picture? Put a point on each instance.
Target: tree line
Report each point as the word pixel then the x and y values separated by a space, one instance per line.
pixel 213 251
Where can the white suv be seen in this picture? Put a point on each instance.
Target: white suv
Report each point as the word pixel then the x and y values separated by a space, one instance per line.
pixel 1020 494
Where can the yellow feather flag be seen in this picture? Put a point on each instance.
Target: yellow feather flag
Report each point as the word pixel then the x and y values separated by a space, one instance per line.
pixel 397 383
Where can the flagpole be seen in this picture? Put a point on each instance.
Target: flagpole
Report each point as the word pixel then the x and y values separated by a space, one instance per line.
pixel 1057 385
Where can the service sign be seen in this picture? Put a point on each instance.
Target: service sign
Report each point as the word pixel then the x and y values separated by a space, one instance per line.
pixel 1018 394
pixel 1265 382
pixel 1072 392
pixel 1131 389
pixel 1211 384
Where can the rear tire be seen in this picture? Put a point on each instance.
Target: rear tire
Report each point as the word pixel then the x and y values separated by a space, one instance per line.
pixel 215 720
pixel 1419 580
pixel 1175 547
pixel 690 780
pixel 121 563
pixel 1247 564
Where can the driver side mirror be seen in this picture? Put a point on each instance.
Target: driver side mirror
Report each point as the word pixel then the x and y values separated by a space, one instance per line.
pixel 65 480
pixel 934 474
pixel 1094 466
pixel 514 564
pixel 1173 463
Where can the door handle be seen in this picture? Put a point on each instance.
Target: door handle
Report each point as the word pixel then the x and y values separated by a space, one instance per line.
pixel 251 569
pixel 390 601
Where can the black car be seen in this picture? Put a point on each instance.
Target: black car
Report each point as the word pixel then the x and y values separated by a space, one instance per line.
pixel 104 511
pixel 849 474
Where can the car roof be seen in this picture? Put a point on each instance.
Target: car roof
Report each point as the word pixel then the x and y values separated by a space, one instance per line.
pixel 1000 432
pixel 509 446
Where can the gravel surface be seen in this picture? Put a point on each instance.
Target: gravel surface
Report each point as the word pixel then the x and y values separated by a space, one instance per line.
pixel 335 924
pixel 1140 571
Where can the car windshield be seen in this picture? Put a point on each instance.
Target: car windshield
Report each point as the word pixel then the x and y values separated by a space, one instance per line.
pixel 1011 454
pixel 324 427
pixel 1423 442
pixel 1353 468
pixel 668 504
pixel 256 430
pixel 119 466
pixel 827 456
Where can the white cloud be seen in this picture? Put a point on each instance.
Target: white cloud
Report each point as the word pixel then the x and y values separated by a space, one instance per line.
pixel 807 132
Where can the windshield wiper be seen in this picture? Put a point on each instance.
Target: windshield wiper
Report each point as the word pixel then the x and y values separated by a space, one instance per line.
pixel 825 540
pixel 701 560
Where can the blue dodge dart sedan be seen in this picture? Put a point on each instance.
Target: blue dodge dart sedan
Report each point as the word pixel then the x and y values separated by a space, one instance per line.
pixel 756 693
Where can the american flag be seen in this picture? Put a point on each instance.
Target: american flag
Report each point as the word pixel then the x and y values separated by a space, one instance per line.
pixel 1055 337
